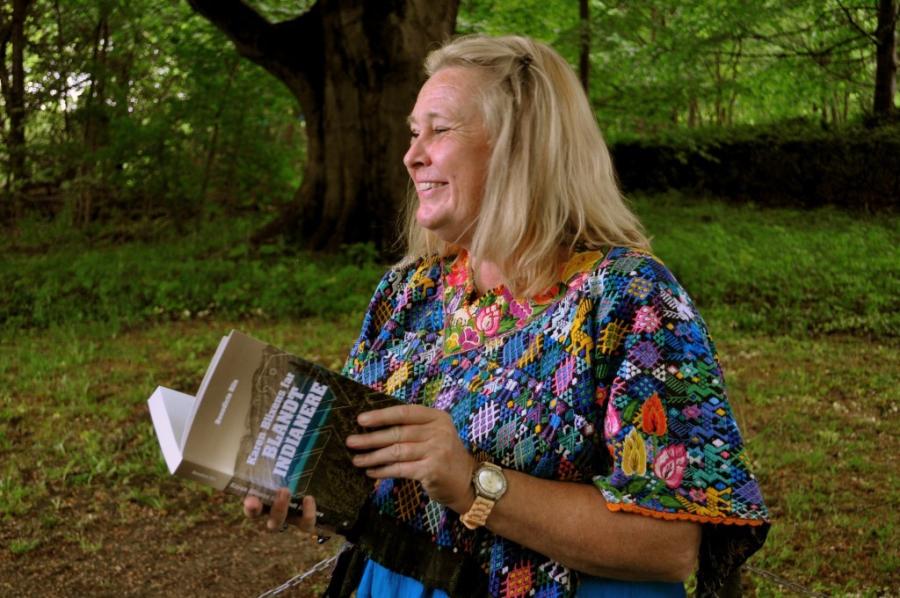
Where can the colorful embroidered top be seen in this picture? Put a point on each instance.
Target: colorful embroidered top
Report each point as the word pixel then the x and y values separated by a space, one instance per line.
pixel 608 377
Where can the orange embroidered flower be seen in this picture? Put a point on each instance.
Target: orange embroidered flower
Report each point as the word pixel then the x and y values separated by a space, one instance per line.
pixel 458 271
pixel 653 418
pixel 634 455
pixel 547 296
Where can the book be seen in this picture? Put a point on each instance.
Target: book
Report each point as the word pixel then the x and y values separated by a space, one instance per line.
pixel 262 419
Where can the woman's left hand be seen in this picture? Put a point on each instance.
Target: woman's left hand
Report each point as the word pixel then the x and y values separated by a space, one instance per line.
pixel 417 443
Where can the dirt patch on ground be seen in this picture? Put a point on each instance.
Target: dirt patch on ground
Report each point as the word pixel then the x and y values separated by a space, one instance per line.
pixel 137 550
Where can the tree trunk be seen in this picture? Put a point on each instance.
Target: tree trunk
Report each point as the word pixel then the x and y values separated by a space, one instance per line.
pixel 355 68
pixel 584 63
pixel 14 97
pixel 95 124
pixel 886 59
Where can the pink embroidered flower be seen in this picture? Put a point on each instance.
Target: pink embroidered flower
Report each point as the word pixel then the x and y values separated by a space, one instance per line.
pixel 520 311
pixel 612 424
pixel 488 319
pixel 469 339
pixel 691 412
pixel 577 280
pixel 670 465
pixel 698 495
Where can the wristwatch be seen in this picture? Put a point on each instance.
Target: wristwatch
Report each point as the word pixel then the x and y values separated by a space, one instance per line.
pixel 490 485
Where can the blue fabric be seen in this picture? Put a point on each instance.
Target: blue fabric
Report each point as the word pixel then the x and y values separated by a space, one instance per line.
pixel 379 582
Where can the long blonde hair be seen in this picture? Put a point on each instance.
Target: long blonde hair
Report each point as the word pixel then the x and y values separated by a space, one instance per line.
pixel 550 181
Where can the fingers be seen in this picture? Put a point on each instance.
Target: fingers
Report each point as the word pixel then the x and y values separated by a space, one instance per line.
pixel 387 436
pixel 279 510
pixel 398 414
pixel 253 507
pixel 307 521
pixel 278 514
pixel 391 454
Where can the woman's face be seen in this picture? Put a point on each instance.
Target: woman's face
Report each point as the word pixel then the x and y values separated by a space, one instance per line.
pixel 448 154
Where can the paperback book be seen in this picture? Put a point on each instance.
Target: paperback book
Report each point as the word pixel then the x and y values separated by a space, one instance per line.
pixel 263 419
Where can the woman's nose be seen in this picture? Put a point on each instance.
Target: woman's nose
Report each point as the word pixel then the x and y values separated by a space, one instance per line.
pixel 416 155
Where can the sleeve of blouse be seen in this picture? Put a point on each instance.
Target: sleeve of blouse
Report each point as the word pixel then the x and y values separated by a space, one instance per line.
pixel 377 314
pixel 674 445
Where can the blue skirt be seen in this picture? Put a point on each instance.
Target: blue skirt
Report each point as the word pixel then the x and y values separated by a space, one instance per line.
pixel 378 582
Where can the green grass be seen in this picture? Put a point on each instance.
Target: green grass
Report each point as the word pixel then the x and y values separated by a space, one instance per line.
pixel 776 271
pixel 86 339
pixel 818 413
pixel 211 272
pixel 749 269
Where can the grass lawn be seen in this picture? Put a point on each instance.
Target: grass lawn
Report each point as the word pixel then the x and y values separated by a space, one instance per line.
pixel 86 505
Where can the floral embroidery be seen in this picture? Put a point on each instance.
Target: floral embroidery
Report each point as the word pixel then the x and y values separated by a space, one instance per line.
pixel 670 465
pixel 634 457
pixel 653 418
pixel 610 377
pixel 488 320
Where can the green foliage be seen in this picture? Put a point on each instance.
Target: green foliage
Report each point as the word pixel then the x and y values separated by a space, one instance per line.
pixel 790 164
pixel 749 268
pixel 143 108
pixel 661 65
pixel 209 272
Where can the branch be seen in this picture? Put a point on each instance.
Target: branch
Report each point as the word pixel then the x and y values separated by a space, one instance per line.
pixel 271 46
pixel 855 25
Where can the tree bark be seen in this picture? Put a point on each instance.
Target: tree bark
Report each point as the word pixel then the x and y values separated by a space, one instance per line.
pixel 14 98
pixel 355 68
pixel 886 59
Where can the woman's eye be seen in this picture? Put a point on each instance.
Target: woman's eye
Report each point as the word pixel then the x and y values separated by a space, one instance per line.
pixel 438 130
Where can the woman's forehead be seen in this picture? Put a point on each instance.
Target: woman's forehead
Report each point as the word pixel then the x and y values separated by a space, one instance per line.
pixel 450 92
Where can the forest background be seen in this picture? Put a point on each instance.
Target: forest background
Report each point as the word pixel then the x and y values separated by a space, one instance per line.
pixel 174 169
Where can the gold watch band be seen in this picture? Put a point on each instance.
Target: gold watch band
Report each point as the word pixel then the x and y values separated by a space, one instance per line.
pixel 478 513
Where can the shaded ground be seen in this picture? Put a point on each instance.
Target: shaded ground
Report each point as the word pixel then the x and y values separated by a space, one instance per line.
pixel 136 550
pixel 87 508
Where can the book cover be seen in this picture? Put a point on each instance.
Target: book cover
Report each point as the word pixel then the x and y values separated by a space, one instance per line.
pixel 263 419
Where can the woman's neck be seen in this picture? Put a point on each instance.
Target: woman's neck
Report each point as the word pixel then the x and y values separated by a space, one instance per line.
pixel 488 275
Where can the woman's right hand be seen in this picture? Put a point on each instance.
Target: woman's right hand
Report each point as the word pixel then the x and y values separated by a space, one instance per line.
pixel 277 515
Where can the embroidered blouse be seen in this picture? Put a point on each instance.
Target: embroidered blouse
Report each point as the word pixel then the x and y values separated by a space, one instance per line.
pixel 609 377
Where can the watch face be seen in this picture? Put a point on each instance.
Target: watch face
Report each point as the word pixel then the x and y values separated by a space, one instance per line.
pixel 492 482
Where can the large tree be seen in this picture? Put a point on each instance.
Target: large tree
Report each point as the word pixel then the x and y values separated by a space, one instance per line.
pixel 12 31
pixel 886 58
pixel 354 67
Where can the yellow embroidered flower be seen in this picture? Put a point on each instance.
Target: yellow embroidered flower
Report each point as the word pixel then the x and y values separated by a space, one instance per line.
pixel 634 455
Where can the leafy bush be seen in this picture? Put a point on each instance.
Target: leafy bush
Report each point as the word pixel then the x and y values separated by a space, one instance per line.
pixel 209 273
pixel 787 165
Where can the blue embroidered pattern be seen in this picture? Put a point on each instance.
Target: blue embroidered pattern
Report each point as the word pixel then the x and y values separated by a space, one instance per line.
pixel 609 377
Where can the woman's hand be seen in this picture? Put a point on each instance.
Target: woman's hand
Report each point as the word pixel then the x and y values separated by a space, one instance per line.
pixel 277 515
pixel 417 443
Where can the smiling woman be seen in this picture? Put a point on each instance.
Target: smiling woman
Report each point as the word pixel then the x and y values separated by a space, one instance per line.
pixel 566 430
pixel 448 155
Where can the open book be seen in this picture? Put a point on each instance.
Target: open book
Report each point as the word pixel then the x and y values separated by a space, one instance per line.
pixel 264 419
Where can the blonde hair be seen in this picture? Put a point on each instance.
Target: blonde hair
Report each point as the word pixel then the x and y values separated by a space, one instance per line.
pixel 550 180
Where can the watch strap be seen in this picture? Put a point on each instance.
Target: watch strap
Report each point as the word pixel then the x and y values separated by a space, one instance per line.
pixel 478 513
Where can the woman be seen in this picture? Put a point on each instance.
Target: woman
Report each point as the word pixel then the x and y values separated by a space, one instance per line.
pixel 530 329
